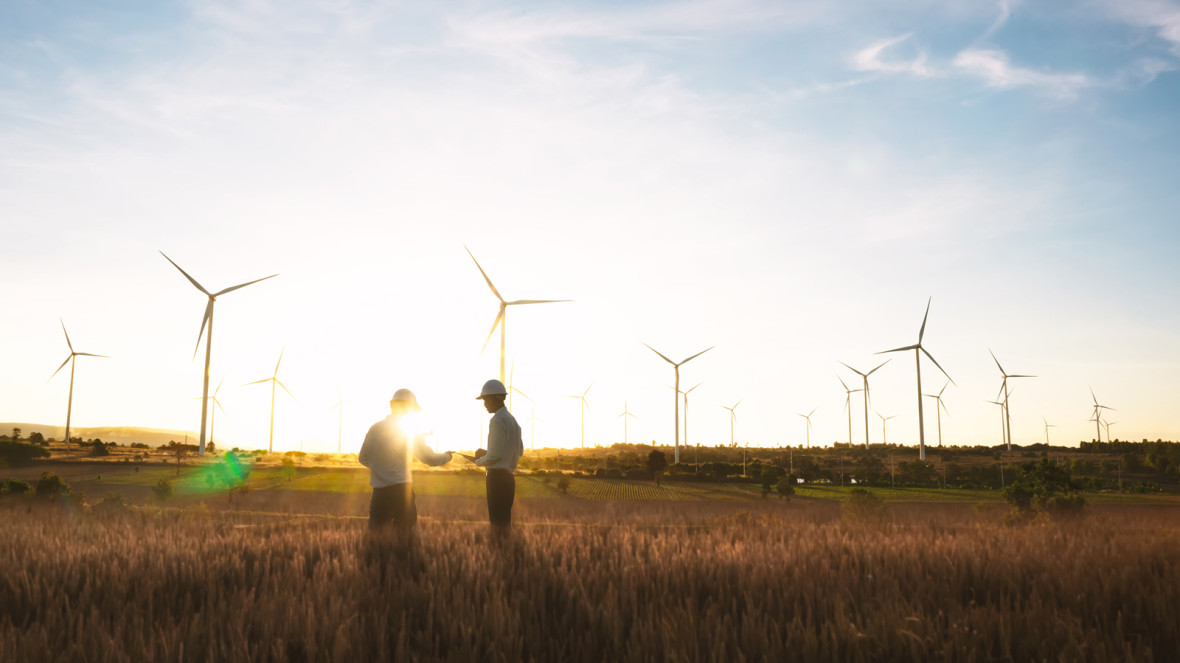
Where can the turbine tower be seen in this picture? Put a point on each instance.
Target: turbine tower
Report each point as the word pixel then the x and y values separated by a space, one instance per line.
pixel 848 408
pixel 213 410
pixel 1004 390
pixel 918 350
pixel 732 418
pixel 626 413
pixel 884 436
pixel 1003 432
pixel 340 423
pixel 676 393
pixel 1107 425
pixel 808 427
pixel 584 405
pixel 865 388
pixel 71 360
pixel 685 395
pixel 1098 407
pixel 502 316
pixel 1047 427
pixel 208 320
pixel 273 380
pixel 938 397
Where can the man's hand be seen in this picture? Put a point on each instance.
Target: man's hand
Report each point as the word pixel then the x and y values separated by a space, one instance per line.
pixel 480 453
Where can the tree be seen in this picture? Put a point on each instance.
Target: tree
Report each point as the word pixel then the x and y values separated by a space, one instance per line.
pixel 19 452
pixel 785 487
pixel 656 463
pixel 769 476
pixel 16 434
pixel 1044 487
pixel 37 439
pixel 99 449
pixel 288 468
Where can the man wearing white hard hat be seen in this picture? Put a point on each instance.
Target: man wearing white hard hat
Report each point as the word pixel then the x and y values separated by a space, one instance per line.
pixel 505 448
pixel 387 452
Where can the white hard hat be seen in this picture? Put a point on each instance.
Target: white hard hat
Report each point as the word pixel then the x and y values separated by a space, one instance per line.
pixel 492 388
pixel 405 395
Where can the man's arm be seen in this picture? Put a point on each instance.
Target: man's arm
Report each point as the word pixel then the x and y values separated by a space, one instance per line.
pixel 497 437
pixel 425 454
pixel 366 448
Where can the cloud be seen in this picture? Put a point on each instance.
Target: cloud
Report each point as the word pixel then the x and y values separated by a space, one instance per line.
pixel 1162 15
pixel 870 59
pixel 995 69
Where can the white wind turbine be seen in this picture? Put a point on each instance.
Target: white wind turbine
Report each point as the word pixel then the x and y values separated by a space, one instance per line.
pixel 884 435
pixel 208 320
pixel 868 401
pixel 214 409
pixel 273 380
pixel 1047 427
pixel 338 406
pixel 626 413
pixel 685 395
pixel 1097 414
pixel 918 350
pixel 676 393
pixel 71 360
pixel 582 407
pixel 848 408
pixel 808 418
pixel 938 397
pixel 502 316
pixel 1107 425
pixel 1006 394
pixel 1003 432
pixel 732 418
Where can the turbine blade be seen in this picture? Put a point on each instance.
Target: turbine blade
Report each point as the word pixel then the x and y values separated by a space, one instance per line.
pixel 842 382
pixel 258 382
pixel 736 404
pixel 588 388
pixel 218 387
pixel 943 389
pixel 908 347
pixel 190 279
pixel 204 321
pixel 218 404
pixel 63 330
pixel 696 355
pixel 485 275
pixel 690 390
pixel 853 369
pixel 63 365
pixel 87 354
pixel 989 351
pixel 939 366
pixel 243 285
pixel 922 331
pixel 948 412
pixel 659 353
pixel 1022 376
pixel 1093 396
pixel 812 412
pixel 879 366
pixel 537 301
pixel 280 360
pixel 280 383
pixel 495 323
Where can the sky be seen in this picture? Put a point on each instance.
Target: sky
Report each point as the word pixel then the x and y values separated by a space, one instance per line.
pixel 788 183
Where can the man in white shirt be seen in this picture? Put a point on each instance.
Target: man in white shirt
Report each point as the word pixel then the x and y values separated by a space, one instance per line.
pixel 505 448
pixel 387 452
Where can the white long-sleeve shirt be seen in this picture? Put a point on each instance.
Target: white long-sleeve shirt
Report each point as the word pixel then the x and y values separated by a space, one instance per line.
pixel 504 444
pixel 387 455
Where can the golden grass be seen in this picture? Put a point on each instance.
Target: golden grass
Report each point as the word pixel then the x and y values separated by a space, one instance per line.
pixel 173 586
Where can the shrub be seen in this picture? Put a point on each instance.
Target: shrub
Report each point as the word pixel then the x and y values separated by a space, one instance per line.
pixel 1043 487
pixel 288 468
pixel 99 449
pixel 563 484
pixel 785 487
pixel 162 489
pixel 18 452
pixel 863 506
pixel 50 485
pixel 15 487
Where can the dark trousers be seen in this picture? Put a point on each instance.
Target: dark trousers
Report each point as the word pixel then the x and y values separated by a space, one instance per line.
pixel 393 503
pixel 501 487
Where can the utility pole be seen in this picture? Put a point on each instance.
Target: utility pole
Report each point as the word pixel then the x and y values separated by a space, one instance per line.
pixel 890 470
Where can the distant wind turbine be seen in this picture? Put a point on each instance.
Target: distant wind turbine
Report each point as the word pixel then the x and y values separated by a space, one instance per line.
pixel 808 427
pixel 884 435
pixel 1107 425
pixel 502 316
pixel 1003 431
pixel 273 380
pixel 71 360
pixel 208 320
pixel 918 350
pixel 938 397
pixel 676 393
pixel 214 409
pixel 340 423
pixel 848 408
pixel 732 418
pixel 1005 392
pixel 1047 427
pixel 626 413
pixel 1097 414
pixel 685 395
pixel 532 426
pixel 865 389
pixel 584 405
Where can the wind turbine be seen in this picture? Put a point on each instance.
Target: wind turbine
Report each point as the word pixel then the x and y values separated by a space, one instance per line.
pixel 1004 390
pixel 626 413
pixel 884 437
pixel 216 406
pixel 502 316
pixel 532 427
pixel 1048 426
pixel 676 393
pixel 582 411
pixel 1003 432
pixel 71 360
pixel 273 380
pixel 732 418
pixel 808 418
pixel 865 377
pixel 848 408
pixel 685 395
pixel 208 320
pixel 938 397
pixel 1107 425
pixel 1097 414
pixel 338 406
pixel 918 350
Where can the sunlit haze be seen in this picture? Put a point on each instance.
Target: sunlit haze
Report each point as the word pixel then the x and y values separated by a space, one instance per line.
pixel 788 182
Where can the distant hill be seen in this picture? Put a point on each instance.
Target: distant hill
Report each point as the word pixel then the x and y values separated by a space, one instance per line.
pixel 124 435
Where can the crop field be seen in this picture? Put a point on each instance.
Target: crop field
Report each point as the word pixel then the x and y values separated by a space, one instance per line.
pixel 764 582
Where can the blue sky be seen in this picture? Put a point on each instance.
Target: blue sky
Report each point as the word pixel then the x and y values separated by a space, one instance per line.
pixel 788 181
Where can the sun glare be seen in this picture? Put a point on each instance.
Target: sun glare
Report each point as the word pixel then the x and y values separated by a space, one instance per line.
pixel 415 424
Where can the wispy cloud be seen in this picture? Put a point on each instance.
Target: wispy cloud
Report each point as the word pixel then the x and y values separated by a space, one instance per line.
pixel 872 58
pixel 1163 15
pixel 994 67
